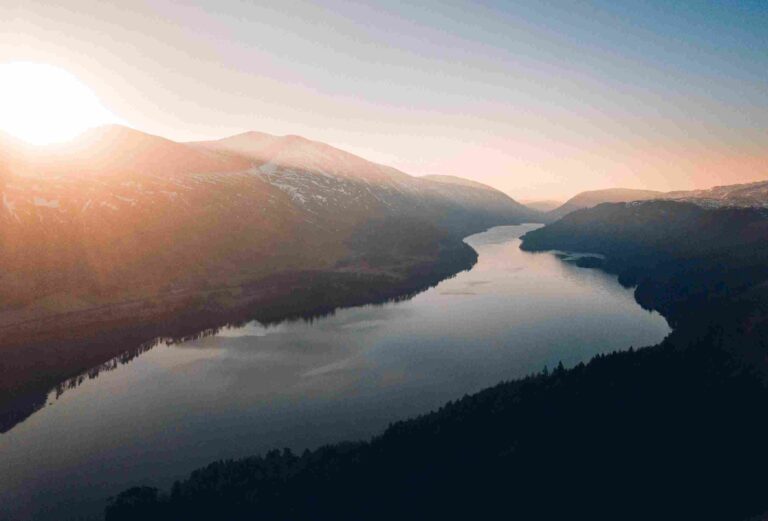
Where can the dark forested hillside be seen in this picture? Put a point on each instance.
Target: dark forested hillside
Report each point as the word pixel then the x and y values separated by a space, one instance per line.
pixel 662 433
pixel 674 431
pixel 682 257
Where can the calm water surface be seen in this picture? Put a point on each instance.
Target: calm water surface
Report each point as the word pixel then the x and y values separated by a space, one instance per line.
pixel 301 384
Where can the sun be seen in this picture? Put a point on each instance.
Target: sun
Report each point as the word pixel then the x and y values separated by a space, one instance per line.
pixel 42 104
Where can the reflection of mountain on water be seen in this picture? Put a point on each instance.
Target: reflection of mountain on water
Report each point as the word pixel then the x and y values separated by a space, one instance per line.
pixel 305 297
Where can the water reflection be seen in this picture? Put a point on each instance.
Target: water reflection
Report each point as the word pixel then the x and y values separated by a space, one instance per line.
pixel 303 383
pixel 30 371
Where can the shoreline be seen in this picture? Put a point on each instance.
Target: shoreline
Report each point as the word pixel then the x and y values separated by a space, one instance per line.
pixel 84 342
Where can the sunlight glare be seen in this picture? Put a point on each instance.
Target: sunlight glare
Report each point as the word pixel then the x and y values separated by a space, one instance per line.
pixel 42 104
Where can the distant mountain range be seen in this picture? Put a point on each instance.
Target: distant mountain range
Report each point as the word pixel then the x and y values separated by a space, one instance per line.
pixel 739 196
pixel 595 197
pixel 544 205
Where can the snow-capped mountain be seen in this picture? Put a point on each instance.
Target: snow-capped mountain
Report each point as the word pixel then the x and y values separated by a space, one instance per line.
pixel 326 182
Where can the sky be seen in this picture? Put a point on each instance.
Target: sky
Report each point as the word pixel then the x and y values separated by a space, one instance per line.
pixel 539 99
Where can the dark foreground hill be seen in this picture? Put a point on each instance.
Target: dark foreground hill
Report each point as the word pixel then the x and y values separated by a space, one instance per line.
pixel 674 431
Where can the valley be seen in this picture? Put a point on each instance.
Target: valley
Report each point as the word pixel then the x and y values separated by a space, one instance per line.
pixel 256 234
pixel 678 421
pixel 316 379
pixel 314 260
pixel 122 237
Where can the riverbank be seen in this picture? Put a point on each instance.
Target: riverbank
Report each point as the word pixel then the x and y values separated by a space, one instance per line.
pixel 673 431
pixel 306 383
pixel 39 355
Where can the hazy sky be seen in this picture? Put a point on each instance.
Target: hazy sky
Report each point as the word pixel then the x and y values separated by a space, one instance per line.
pixel 541 99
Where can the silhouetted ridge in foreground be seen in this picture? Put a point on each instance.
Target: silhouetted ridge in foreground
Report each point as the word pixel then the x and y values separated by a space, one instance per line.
pixel 675 431
pixel 654 434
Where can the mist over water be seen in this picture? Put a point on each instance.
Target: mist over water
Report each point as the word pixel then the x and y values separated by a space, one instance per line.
pixel 302 384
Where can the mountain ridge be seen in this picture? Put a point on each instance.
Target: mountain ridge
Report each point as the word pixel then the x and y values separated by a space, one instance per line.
pixel 592 198
pixel 113 193
pixel 738 195
pixel 599 426
pixel 97 245
pixel 742 195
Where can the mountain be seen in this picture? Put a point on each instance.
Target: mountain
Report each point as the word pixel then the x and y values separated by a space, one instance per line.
pixel 674 252
pixel 741 195
pixel 122 214
pixel 117 151
pixel 480 199
pixel 595 197
pixel 458 181
pixel 122 234
pixel 327 181
pixel 542 205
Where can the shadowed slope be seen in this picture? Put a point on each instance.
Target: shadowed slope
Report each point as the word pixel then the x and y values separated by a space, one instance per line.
pixel 674 431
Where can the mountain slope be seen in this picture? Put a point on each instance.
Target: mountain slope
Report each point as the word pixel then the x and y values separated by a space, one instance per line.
pixel 121 214
pixel 330 183
pixel 741 195
pixel 542 205
pixel 125 231
pixel 595 197
pixel 479 202
pixel 674 252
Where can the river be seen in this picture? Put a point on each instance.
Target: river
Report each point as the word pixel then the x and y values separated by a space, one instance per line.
pixel 301 384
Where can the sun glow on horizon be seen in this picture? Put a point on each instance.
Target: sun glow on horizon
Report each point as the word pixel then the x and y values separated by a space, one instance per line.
pixel 42 104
